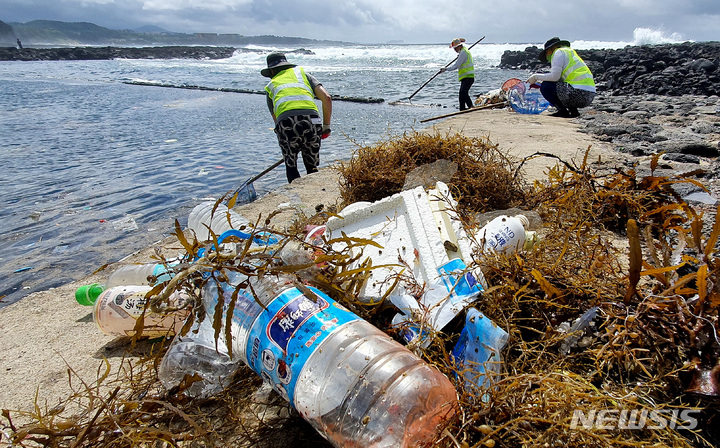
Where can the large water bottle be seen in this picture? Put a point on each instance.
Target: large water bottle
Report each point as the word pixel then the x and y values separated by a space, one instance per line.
pixel 224 219
pixel 117 310
pixel 349 380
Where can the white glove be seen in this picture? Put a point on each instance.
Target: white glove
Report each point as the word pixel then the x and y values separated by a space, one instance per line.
pixel 532 79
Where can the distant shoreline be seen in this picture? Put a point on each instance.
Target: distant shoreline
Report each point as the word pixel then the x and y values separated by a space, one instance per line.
pixel 105 53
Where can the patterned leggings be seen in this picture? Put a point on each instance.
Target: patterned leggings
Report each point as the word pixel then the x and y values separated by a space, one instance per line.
pixel 299 134
pixel 564 96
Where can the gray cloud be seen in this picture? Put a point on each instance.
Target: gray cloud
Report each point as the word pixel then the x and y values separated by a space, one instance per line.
pixel 372 21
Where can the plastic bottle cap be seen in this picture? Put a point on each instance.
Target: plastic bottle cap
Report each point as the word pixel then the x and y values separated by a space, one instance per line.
pixel 87 294
pixel 531 238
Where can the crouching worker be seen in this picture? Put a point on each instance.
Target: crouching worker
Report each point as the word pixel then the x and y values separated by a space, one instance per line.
pixel 291 97
pixel 570 84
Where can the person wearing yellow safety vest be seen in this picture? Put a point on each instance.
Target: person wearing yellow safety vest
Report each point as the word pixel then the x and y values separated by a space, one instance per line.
pixel 466 72
pixel 569 85
pixel 291 95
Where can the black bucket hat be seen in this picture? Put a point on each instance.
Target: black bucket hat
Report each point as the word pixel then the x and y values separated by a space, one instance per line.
pixel 553 42
pixel 274 61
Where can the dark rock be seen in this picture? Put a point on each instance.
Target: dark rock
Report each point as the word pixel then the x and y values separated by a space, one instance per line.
pixel 701 149
pixel 689 68
pixel 98 53
pixel 682 158
pixel 639 152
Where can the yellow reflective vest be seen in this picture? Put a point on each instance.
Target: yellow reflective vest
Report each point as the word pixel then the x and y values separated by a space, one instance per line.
pixel 576 73
pixel 467 70
pixel 291 90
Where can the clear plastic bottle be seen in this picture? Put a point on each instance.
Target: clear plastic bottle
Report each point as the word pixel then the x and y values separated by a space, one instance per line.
pixel 504 234
pixel 131 274
pixel 352 382
pixel 201 217
pixel 117 310
pixel 197 353
pixel 138 274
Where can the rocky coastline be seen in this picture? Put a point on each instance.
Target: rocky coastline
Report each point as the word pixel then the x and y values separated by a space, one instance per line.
pixel 104 53
pixel 682 131
pixel 101 53
pixel 653 99
pixel 690 68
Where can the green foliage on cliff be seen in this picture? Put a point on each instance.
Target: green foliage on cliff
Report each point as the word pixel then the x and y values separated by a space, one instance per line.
pixel 7 35
pixel 50 32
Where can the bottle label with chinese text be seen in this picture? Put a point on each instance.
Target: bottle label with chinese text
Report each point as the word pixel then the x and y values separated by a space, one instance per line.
pixel 284 336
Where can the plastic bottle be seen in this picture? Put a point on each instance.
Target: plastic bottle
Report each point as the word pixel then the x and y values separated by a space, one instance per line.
pixel 131 274
pixel 197 353
pixel 117 310
pixel 504 234
pixel 477 352
pixel 138 274
pixel 352 382
pixel 201 217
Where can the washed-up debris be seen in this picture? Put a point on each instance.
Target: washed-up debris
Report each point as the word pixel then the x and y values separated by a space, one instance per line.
pixel 577 329
pixel 496 96
pixel 477 353
pixel 125 224
pixel 623 243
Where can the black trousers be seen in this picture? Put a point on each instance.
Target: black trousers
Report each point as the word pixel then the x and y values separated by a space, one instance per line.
pixel 465 101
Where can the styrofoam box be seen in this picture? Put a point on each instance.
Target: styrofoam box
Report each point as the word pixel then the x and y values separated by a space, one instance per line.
pixel 418 232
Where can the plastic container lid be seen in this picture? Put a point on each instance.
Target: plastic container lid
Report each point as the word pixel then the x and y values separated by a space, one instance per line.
pixel 86 295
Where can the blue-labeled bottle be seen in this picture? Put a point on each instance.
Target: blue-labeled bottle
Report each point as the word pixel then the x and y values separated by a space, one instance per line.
pixel 351 381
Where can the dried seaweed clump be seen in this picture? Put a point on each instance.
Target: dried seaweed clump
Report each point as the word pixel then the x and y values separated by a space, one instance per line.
pixel 652 348
pixel 484 179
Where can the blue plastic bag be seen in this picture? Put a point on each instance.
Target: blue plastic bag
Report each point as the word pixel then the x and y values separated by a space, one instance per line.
pixel 525 100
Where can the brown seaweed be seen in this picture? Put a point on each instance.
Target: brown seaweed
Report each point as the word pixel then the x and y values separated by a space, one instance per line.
pixel 625 244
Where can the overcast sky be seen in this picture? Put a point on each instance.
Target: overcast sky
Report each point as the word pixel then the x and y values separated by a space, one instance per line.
pixel 379 21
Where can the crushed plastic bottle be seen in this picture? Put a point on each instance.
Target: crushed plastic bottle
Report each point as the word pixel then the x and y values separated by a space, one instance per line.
pixel 477 352
pixel 577 329
pixel 197 353
pixel 352 382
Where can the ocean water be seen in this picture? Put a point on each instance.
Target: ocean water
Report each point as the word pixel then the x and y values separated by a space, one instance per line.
pixel 95 169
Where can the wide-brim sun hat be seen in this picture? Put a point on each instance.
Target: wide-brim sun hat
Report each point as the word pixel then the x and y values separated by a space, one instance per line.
pixel 552 42
pixel 275 61
pixel 457 42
